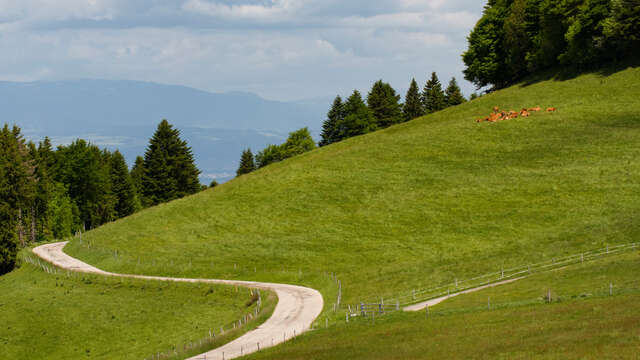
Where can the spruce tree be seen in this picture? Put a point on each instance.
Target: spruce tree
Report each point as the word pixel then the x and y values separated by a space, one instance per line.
pixel 433 97
pixel 8 224
pixel 453 94
pixel 122 186
pixel 384 104
pixel 358 118
pixel 331 126
pixel 137 174
pixel 170 171
pixel 413 106
pixel 247 163
pixel 19 174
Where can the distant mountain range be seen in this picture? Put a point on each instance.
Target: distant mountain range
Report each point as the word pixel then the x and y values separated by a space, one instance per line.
pixel 123 115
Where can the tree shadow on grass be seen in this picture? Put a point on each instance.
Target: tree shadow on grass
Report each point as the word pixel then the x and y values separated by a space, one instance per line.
pixel 563 74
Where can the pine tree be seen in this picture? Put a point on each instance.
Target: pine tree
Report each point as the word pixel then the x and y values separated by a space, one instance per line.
pixel 331 126
pixel 122 186
pixel 19 173
pixel 433 97
pixel 137 174
pixel 170 171
pixel 8 224
pixel 413 106
pixel 247 163
pixel 453 94
pixel 17 187
pixel 358 118
pixel 384 104
pixel 44 158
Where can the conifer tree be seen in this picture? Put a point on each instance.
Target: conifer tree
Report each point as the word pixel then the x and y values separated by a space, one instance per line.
pixel 453 94
pixel 8 224
pixel 358 118
pixel 413 106
pixel 331 126
pixel 122 186
pixel 19 175
pixel 433 97
pixel 170 171
pixel 137 174
pixel 247 163
pixel 384 104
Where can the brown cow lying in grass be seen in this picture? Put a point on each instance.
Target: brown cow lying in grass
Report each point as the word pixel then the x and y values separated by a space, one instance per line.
pixel 498 115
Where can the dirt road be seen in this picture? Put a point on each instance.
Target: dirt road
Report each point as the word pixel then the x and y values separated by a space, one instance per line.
pixel 297 308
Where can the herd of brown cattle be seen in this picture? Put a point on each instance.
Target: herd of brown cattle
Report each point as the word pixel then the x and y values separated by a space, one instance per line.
pixel 499 115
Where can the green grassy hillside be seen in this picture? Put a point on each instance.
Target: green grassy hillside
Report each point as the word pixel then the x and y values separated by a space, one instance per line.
pixel 424 202
pixel 584 321
pixel 60 316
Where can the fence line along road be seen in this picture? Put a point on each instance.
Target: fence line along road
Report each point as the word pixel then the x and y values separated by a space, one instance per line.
pixel 457 287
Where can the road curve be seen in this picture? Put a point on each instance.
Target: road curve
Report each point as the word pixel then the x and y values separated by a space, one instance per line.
pixel 297 308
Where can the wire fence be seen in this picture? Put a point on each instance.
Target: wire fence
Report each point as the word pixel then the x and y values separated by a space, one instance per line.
pixel 552 296
pixel 419 295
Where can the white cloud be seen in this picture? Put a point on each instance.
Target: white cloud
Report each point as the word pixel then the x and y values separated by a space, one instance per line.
pixel 280 49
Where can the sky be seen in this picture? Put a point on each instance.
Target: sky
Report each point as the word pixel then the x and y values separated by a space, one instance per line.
pixel 279 49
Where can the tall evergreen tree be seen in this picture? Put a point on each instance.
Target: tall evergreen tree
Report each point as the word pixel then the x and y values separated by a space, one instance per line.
pixel 44 158
pixel 8 223
pixel 19 170
pixel 413 106
pixel 137 175
pixel 384 104
pixel 247 163
pixel 331 126
pixel 358 117
pixel 433 97
pixel 170 170
pixel 453 94
pixel 122 186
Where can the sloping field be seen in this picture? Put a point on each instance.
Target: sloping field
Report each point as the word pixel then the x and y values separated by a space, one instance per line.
pixel 421 203
pixel 586 319
pixel 80 316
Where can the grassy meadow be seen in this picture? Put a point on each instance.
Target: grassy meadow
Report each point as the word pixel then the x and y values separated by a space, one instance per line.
pixel 583 321
pixel 75 316
pixel 418 204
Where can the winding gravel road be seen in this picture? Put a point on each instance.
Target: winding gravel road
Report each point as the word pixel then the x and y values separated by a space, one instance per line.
pixel 297 308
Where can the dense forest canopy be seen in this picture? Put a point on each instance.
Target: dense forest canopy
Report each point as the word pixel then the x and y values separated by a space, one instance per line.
pixel 517 38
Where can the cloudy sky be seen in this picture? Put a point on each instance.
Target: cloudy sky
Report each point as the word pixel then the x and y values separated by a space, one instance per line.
pixel 279 49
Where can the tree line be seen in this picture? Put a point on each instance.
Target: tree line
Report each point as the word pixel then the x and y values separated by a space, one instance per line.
pixel 517 38
pixel 383 108
pixel 49 193
pixel 355 117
